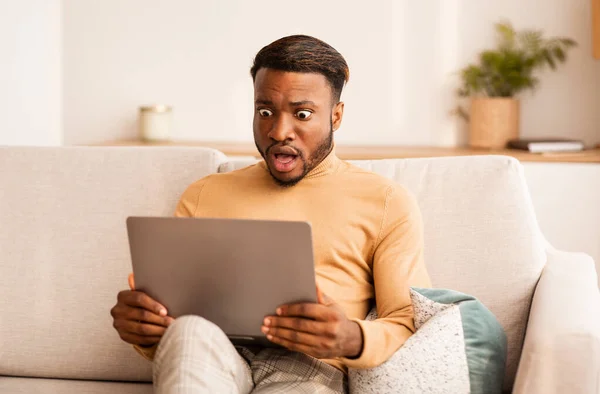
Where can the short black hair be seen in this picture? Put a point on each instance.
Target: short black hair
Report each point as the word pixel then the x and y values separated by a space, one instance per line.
pixel 305 54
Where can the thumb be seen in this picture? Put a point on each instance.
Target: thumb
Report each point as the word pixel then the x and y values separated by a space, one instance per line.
pixel 131 282
pixel 322 298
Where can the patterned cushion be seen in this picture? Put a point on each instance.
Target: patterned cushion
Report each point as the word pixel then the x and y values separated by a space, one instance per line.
pixel 459 347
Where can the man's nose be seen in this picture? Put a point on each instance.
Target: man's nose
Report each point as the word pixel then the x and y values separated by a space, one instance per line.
pixel 282 129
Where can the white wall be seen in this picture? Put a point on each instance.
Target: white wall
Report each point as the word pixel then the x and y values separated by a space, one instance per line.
pixel 403 57
pixel 197 55
pixel 566 198
pixel 567 101
pixel 30 72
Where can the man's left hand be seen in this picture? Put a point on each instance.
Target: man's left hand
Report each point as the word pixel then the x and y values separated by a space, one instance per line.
pixel 320 330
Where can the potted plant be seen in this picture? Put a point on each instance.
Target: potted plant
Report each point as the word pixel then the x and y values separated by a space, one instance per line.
pixel 500 75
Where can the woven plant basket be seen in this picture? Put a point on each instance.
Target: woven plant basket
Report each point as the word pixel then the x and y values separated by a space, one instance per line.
pixel 493 122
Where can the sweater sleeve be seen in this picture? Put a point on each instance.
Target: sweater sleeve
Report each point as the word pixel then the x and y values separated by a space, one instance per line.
pixel 397 265
pixel 188 203
pixel 186 207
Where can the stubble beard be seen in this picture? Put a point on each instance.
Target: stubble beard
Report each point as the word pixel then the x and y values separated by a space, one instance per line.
pixel 322 151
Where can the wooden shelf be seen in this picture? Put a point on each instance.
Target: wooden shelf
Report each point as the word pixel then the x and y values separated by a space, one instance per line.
pixel 348 152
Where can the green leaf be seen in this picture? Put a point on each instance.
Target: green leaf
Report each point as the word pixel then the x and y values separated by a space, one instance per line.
pixel 531 40
pixel 549 59
pixel 559 53
pixel 506 34
pixel 460 111
pixel 471 76
pixel 567 42
pixel 510 68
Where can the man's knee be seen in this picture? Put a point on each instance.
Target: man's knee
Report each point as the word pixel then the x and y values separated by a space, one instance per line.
pixel 195 351
pixel 191 323
pixel 193 331
pixel 189 334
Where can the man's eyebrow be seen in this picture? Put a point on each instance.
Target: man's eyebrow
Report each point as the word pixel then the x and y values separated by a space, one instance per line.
pixel 263 102
pixel 291 103
pixel 302 102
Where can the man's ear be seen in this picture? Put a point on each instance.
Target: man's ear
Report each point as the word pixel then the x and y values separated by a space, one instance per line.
pixel 336 115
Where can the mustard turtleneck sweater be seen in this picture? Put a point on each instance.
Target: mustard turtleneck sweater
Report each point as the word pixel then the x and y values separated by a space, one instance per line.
pixel 367 239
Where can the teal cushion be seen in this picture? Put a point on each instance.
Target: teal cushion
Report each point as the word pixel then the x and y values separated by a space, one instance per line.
pixel 459 347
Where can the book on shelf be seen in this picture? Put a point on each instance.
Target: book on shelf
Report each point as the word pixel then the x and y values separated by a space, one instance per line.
pixel 543 145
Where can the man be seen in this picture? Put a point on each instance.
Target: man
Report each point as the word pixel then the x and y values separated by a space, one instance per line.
pixel 368 244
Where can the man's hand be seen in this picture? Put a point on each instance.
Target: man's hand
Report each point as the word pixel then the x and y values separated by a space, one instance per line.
pixel 320 330
pixel 139 319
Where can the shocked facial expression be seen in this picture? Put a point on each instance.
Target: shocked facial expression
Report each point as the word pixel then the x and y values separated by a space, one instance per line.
pixel 294 121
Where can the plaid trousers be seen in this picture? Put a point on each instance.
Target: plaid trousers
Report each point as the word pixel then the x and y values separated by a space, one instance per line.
pixel 195 356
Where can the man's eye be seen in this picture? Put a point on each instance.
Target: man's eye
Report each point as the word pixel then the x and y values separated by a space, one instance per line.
pixel 265 112
pixel 303 114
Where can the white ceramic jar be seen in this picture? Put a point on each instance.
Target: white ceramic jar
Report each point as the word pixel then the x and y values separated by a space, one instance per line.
pixel 155 123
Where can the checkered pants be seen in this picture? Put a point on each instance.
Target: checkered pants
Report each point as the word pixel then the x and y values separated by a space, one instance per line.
pixel 195 356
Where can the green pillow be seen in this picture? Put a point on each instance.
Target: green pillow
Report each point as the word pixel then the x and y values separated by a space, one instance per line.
pixel 459 347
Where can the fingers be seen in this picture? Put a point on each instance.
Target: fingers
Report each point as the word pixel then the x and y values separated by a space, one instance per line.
pixel 319 330
pixel 143 315
pixel 322 298
pixel 140 329
pixel 307 310
pixel 138 339
pixel 296 324
pixel 300 342
pixel 139 326
pixel 138 318
pixel 291 335
pixel 294 340
pixel 124 312
pixel 318 339
pixel 141 300
pixel 131 281
pixel 301 335
pixel 297 347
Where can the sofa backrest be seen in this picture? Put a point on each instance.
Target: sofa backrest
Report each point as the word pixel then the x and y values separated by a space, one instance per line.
pixel 481 234
pixel 64 251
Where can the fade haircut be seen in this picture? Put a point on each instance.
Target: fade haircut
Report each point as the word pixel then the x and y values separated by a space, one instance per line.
pixel 305 54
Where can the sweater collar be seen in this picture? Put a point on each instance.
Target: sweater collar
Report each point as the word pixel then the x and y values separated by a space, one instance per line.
pixel 327 166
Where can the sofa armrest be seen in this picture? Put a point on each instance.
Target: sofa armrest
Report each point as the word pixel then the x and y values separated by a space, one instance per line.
pixel 561 353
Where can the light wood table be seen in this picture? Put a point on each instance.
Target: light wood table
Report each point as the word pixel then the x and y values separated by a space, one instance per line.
pixel 349 152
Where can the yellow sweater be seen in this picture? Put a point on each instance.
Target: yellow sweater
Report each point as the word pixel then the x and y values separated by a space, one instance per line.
pixel 367 239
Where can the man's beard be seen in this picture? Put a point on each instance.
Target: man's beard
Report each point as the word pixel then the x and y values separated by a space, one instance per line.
pixel 323 149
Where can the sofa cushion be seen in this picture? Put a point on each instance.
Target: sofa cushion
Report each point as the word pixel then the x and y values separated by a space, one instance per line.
pixel 64 253
pixel 459 348
pixel 481 235
pixel 63 386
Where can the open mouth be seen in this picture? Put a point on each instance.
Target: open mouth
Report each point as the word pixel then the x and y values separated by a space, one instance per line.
pixel 284 158
pixel 284 162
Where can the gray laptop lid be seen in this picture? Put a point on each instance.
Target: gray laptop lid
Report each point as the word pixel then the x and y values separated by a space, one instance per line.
pixel 229 271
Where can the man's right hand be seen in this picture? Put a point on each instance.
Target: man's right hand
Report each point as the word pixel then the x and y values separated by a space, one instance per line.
pixel 139 319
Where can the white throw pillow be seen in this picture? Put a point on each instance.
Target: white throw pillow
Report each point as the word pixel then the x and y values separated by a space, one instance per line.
pixel 459 348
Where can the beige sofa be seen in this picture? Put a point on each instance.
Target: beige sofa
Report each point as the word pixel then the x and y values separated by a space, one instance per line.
pixel 64 256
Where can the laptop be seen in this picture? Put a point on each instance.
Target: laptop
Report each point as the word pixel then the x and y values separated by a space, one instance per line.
pixel 232 272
